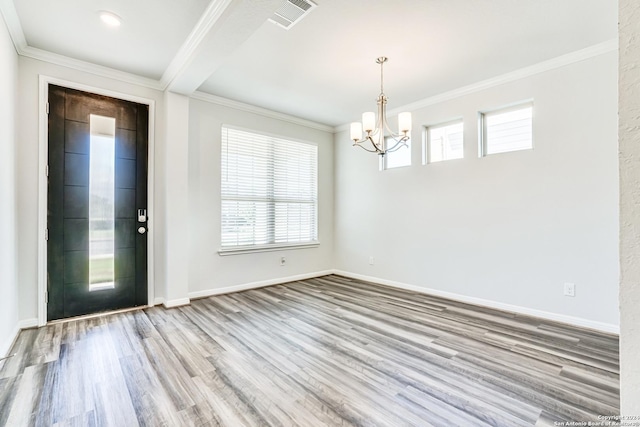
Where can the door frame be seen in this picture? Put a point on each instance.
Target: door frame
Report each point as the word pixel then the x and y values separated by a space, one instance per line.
pixel 43 155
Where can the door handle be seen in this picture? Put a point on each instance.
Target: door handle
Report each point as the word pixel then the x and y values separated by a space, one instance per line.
pixel 141 230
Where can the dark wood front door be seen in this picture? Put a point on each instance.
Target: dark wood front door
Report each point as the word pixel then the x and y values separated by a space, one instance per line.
pixel 97 201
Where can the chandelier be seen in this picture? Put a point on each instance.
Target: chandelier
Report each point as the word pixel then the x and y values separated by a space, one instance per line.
pixel 378 137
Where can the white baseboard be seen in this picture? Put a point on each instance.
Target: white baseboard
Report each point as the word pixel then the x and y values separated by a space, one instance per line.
pixel 23 324
pixel 176 302
pixel 562 318
pixel 255 285
pixel 6 346
pixel 28 323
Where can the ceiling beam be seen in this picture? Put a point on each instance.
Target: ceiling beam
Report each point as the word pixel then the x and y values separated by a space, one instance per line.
pixel 224 26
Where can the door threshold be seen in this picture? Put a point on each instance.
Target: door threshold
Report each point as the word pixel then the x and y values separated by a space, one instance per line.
pixel 95 315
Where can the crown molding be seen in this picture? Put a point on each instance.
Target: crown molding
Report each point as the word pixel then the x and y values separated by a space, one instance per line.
pixel 182 58
pixel 8 11
pixel 226 102
pixel 88 67
pixel 541 67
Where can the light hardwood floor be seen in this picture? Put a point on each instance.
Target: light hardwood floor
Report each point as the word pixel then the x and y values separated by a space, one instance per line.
pixel 329 351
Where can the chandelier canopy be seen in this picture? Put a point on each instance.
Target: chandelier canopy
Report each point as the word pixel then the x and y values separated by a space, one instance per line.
pixel 378 137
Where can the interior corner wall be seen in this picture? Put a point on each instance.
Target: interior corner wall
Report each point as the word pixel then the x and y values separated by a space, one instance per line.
pixel 8 207
pixel 629 134
pixel 509 228
pixel 27 167
pixel 211 273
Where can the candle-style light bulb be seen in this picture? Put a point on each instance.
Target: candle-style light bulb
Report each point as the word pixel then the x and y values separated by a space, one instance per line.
pixel 404 122
pixel 356 131
pixel 368 121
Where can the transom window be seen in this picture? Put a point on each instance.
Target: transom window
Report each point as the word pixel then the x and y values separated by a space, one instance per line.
pixel 508 129
pixel 399 158
pixel 269 191
pixel 444 142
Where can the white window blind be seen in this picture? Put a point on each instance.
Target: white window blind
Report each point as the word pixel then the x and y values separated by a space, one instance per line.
pixel 269 191
pixel 444 142
pixel 508 130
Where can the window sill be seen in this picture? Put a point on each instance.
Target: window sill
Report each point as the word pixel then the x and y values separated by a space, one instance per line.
pixel 266 248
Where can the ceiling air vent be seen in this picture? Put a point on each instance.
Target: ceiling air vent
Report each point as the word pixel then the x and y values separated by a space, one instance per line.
pixel 291 12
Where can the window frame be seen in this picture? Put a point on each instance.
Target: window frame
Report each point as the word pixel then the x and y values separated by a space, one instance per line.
pixel 426 140
pixel 482 127
pixel 273 245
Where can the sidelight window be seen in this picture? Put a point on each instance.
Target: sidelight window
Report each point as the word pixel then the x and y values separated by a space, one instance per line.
pixel 102 203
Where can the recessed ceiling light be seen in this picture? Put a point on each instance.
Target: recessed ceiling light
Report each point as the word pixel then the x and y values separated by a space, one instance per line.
pixel 111 19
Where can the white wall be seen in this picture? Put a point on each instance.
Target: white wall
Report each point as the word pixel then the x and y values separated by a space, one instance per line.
pixel 210 272
pixel 629 110
pixel 207 271
pixel 27 167
pixel 510 228
pixel 176 192
pixel 8 241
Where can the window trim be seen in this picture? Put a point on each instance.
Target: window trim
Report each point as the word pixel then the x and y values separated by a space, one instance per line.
pixel 238 250
pixel 269 247
pixel 482 129
pixel 426 140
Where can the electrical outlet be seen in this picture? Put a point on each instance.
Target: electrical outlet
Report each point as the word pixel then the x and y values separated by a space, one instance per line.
pixel 570 289
pixel 370 260
pixel 283 261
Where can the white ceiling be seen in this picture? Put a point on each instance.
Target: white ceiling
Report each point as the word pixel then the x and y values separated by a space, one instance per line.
pixel 322 69
pixel 151 33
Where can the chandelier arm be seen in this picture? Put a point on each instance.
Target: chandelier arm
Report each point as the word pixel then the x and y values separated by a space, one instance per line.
pixel 396 148
pixel 391 132
pixel 366 149
pixel 402 142
pixel 379 147
pixel 369 138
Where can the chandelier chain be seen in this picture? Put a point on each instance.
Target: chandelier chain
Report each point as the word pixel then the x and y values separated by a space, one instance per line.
pixel 381 77
pixel 381 60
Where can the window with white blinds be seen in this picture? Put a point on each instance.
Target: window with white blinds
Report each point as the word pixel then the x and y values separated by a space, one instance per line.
pixel 508 129
pixel 269 191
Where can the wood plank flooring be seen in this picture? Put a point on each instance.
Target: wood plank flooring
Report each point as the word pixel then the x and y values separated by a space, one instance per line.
pixel 329 351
